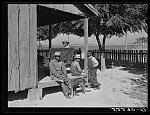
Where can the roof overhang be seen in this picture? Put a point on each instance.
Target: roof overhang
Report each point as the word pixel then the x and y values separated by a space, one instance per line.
pixel 48 14
pixel 87 9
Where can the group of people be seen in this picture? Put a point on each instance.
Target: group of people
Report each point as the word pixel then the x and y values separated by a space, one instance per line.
pixel 69 85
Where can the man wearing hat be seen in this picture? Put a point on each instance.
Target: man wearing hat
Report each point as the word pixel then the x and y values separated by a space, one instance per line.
pixel 76 72
pixel 65 44
pixel 59 74
pixel 92 68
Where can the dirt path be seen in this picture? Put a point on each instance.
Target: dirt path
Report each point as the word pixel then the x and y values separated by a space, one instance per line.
pixel 117 90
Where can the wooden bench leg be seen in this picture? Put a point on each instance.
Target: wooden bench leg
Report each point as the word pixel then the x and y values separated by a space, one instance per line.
pixel 40 90
pixel 32 94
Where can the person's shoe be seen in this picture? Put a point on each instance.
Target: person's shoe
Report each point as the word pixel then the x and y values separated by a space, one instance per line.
pixel 75 94
pixel 87 90
pixel 67 96
pixel 71 93
pixel 96 88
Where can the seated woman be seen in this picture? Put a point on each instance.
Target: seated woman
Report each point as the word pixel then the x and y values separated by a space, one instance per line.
pixel 77 75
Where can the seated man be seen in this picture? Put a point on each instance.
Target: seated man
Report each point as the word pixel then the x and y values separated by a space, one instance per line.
pixel 59 74
pixel 76 73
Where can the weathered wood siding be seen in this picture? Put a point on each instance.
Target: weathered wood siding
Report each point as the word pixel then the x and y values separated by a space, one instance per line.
pixel 22 49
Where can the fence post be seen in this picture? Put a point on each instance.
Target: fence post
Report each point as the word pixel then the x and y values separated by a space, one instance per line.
pixel 136 57
pixel 112 58
pixel 119 57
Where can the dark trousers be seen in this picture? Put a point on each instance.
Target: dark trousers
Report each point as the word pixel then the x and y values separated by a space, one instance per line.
pixel 92 77
pixel 65 88
pixel 64 85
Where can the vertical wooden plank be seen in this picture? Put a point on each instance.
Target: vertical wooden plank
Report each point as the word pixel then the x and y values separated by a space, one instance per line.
pixel 125 54
pixel 119 57
pixel 32 80
pixel 24 45
pixel 136 56
pixel 128 55
pixel 116 55
pixel 131 56
pixel 112 55
pixel 142 56
pixel 13 68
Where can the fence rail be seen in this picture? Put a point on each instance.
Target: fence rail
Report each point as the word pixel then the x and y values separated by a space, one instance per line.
pixel 116 56
pixel 124 56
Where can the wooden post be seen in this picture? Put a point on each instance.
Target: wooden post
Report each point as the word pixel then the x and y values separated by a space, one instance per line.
pixel 85 45
pixel 50 34
pixel 32 81
pixel 126 43
pixel 50 27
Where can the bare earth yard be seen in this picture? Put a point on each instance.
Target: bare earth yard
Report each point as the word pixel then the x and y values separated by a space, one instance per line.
pixel 119 88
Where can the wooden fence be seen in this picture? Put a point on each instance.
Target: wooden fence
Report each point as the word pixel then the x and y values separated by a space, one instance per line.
pixel 117 57
pixel 121 57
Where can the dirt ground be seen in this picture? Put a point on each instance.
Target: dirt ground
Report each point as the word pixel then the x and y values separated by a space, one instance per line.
pixel 120 87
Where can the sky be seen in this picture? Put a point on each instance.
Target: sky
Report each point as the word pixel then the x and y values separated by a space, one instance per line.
pixel 75 40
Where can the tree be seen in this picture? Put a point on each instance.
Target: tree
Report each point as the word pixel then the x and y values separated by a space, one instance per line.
pixel 114 19
pixel 141 41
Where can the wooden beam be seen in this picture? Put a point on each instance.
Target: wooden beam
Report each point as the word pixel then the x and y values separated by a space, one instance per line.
pixel 85 44
pixel 13 42
pixel 33 45
pixel 50 35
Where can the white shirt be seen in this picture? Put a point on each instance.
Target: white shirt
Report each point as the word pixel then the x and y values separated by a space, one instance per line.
pixel 94 61
pixel 67 47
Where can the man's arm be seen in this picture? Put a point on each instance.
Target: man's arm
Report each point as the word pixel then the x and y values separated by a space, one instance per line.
pixel 64 68
pixel 78 67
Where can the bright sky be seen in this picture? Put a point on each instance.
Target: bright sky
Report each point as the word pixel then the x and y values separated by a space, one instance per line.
pixel 131 37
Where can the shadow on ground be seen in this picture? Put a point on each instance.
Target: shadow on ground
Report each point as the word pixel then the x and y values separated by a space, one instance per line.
pixel 17 96
pixel 134 70
pixel 50 90
pixel 21 95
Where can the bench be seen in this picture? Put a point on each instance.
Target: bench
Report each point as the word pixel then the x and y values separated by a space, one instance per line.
pixel 48 82
pixel 44 83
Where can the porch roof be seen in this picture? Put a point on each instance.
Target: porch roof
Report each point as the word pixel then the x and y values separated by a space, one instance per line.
pixel 48 14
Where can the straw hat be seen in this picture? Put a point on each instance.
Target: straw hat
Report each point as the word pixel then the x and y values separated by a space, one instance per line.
pixel 77 56
pixel 65 42
pixel 57 53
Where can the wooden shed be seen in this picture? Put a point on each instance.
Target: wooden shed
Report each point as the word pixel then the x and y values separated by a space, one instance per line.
pixel 23 20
